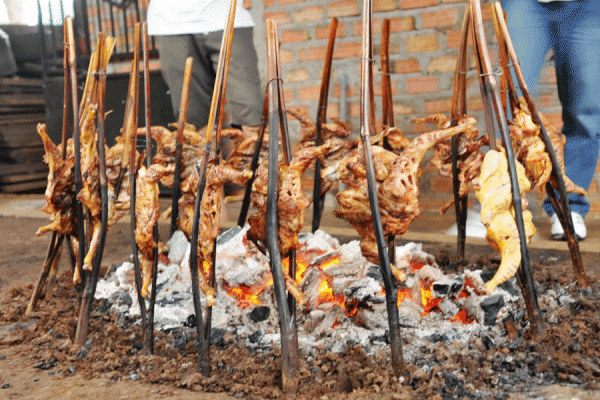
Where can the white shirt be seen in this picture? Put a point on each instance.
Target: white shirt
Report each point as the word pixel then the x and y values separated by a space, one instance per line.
pixel 169 17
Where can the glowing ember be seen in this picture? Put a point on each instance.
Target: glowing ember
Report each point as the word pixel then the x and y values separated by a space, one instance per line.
pixel 246 295
pixel 429 301
pixel 404 294
pixel 461 316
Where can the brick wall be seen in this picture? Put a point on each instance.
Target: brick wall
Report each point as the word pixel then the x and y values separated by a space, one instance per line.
pixel 424 44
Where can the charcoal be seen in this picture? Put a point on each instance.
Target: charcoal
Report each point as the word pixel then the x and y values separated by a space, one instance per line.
pixel 447 287
pixel 260 313
pixel 490 306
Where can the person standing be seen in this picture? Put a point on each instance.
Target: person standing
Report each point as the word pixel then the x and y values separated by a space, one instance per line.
pixel 194 28
pixel 572 29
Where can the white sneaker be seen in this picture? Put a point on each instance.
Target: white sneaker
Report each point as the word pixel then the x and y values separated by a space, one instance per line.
pixel 558 233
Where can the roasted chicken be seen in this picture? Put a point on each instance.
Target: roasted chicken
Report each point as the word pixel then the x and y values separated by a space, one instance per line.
pixel 494 192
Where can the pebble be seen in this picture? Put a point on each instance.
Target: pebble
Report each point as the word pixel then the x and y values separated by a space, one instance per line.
pixel 134 376
pixel 6 386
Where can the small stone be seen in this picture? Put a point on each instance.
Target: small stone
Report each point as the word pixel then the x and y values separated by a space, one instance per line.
pixel 72 369
pixel 6 386
pixel 134 376
pixel 260 313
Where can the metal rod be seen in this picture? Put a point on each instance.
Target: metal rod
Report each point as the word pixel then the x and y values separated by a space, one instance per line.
pixel 318 197
pixel 66 92
pixel 493 99
pixel 365 133
pixel 37 290
pixel 556 170
pixel 183 110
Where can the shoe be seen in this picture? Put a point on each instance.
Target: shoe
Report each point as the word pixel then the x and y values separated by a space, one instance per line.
pixel 558 233
pixel 473 226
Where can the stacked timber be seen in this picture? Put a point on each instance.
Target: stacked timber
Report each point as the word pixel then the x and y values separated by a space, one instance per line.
pixel 21 149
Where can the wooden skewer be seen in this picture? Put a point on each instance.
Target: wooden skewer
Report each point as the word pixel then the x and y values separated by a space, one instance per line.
pixel 216 111
pixel 76 146
pixel 183 110
pixel 562 206
pixel 149 336
pixel 318 197
pixel 459 109
pixel 490 88
pixel 132 163
pixel 289 373
pixel 387 109
pixel 365 133
pixel 105 46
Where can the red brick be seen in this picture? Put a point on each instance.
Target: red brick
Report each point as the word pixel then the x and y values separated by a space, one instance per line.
pixel 393 84
pixel 346 50
pixel 286 56
pixel 346 8
pixel 247 4
pixel 268 3
pixel 354 109
pixel 422 43
pixel 375 25
pixel 282 2
pixel 309 92
pixel 351 91
pixel 312 53
pixel 409 4
pixel 333 111
pixel 290 35
pixel 439 18
pixel 288 95
pixel 309 14
pixel 406 66
pixel 401 109
pixel 438 106
pixel 422 84
pixel 297 75
pixel 453 39
pixel 302 108
pixel 280 17
pixel 402 24
pixel 555 119
pixel 384 5
pixel 322 31
pixel 442 64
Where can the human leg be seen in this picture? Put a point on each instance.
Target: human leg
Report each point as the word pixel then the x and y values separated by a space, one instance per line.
pixel 244 95
pixel 575 32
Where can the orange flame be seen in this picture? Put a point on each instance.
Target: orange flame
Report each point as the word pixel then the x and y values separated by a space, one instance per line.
pixel 429 302
pixel 462 317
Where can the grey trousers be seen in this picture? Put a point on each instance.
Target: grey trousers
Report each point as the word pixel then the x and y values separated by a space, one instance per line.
pixel 243 97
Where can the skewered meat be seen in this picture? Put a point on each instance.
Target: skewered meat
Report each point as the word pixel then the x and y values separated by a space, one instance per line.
pixel 397 189
pixel 292 203
pixel 241 157
pixel 498 214
pixel 469 156
pixel 308 129
pixel 147 211
pixel 60 190
pixel 531 150
pixel 210 216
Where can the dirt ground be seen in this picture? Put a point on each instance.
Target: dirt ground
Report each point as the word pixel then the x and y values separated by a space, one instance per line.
pixel 39 361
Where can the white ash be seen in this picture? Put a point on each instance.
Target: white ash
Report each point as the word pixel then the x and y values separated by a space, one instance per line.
pixel 240 264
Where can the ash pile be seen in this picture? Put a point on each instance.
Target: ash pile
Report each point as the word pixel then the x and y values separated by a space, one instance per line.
pixel 344 300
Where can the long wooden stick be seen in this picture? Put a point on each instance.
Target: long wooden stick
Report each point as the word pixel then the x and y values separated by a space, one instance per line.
pixel 132 163
pixel 459 109
pixel 490 87
pixel 105 50
pixel 215 114
pixel 76 147
pixel 563 208
pixel 183 110
pixel 318 197
pixel 365 133
pixel 387 108
pixel 149 336
pixel 289 373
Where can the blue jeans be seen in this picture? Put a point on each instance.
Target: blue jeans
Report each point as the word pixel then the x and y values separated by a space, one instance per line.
pixel 572 29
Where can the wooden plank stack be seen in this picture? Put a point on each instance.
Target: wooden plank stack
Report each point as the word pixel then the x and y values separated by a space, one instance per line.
pixel 21 149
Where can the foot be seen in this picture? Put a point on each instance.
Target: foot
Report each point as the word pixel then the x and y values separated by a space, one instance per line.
pixel 558 233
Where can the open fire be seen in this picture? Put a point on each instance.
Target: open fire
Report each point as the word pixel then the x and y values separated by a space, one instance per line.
pixel 344 292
